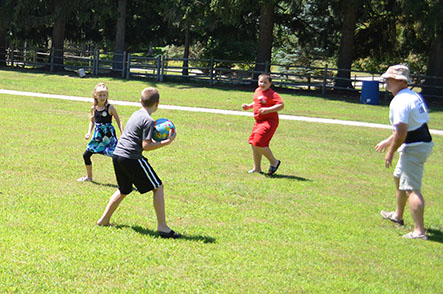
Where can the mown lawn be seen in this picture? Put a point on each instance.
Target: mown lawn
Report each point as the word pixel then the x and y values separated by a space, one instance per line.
pixel 315 227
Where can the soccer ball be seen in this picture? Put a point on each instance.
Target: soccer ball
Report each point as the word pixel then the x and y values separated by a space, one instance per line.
pixel 161 129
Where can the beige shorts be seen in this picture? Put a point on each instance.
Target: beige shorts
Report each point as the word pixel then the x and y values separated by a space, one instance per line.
pixel 410 165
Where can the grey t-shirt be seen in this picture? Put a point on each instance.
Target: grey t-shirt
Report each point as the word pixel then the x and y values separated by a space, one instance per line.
pixel 139 127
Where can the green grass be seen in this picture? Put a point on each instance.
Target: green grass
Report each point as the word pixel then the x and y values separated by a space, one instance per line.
pixel 313 228
pixel 200 96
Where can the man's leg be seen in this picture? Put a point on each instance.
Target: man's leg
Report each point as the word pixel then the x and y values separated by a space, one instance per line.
pixel 417 207
pixel 401 199
pixel 113 203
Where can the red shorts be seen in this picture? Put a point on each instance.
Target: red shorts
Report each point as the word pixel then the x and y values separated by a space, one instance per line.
pixel 262 133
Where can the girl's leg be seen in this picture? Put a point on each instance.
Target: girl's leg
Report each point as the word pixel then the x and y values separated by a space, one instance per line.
pixel 113 203
pixel 88 163
pixel 266 151
pixel 159 206
pixel 256 154
pixel 89 171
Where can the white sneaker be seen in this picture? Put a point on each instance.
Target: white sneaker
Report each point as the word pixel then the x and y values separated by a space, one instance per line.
pixel 85 179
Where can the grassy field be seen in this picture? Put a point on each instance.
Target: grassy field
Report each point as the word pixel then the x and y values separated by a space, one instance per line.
pixel 315 227
pixel 201 96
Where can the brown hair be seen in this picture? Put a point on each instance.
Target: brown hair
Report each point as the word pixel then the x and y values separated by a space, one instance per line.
pixel 150 97
pixel 266 76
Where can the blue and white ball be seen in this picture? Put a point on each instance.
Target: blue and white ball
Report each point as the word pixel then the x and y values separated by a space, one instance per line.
pixel 162 127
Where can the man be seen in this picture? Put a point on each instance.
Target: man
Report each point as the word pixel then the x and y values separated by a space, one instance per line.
pixel 411 137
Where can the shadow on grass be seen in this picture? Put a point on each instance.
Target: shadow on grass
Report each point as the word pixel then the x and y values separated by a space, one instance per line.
pixel 435 235
pixel 104 184
pixel 279 176
pixel 152 233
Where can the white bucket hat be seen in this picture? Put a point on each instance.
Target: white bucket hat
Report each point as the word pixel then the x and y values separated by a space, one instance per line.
pixel 397 72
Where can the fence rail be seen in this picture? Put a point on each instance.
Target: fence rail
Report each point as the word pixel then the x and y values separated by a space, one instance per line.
pixel 212 71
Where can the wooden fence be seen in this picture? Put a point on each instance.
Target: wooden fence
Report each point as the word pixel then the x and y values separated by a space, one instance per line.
pixel 210 71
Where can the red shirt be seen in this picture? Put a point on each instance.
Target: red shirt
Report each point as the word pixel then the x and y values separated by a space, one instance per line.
pixel 267 98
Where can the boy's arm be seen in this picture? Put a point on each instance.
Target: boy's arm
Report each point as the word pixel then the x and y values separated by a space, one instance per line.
pixel 149 145
pixel 274 108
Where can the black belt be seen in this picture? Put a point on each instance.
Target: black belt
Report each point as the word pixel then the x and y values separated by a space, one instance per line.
pixel 419 135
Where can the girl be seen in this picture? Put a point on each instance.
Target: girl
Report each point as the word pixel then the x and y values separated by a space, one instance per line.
pixel 266 104
pixel 104 139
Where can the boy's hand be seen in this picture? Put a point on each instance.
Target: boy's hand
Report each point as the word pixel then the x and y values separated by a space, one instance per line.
pixel 263 110
pixel 245 106
pixel 87 136
pixel 172 135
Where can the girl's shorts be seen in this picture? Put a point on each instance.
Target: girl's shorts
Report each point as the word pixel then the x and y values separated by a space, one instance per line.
pixel 262 133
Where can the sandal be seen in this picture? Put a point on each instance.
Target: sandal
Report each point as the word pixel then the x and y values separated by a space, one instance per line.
pixel 171 234
pixel 389 215
pixel 412 235
pixel 273 169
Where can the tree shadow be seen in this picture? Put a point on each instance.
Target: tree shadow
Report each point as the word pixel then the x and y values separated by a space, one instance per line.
pixel 291 177
pixel 435 235
pixel 152 233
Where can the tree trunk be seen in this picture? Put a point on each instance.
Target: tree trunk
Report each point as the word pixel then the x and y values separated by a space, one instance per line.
pixel 435 70
pixel 58 35
pixel 265 38
pixel 186 53
pixel 118 62
pixel 346 50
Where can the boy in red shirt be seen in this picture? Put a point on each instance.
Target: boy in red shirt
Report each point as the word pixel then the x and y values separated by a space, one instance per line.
pixel 266 104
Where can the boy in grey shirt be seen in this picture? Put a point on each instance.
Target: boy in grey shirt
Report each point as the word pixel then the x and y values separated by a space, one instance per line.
pixel 132 168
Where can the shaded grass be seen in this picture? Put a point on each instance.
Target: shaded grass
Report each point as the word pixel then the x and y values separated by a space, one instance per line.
pixel 314 227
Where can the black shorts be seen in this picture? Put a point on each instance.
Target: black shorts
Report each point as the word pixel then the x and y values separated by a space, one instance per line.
pixel 135 172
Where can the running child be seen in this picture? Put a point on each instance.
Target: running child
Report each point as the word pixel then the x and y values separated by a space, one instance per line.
pixel 104 139
pixel 266 105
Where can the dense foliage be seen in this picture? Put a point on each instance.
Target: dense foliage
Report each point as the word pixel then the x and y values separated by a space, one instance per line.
pixel 370 36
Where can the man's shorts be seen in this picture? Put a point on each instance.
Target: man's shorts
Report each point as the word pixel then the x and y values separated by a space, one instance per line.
pixel 262 133
pixel 410 165
pixel 137 172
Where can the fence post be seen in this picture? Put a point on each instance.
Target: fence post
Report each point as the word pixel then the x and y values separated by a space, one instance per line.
pixel 212 72
pixel 309 76
pixel 123 64
pixel 325 76
pixel 128 66
pixel 51 67
pixel 162 69
pixel 11 57
pixel 97 61
pixel 159 61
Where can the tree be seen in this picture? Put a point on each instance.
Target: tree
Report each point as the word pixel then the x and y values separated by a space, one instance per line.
pixel 187 16
pixel 350 10
pixel 425 17
pixel 120 37
pixel 265 36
